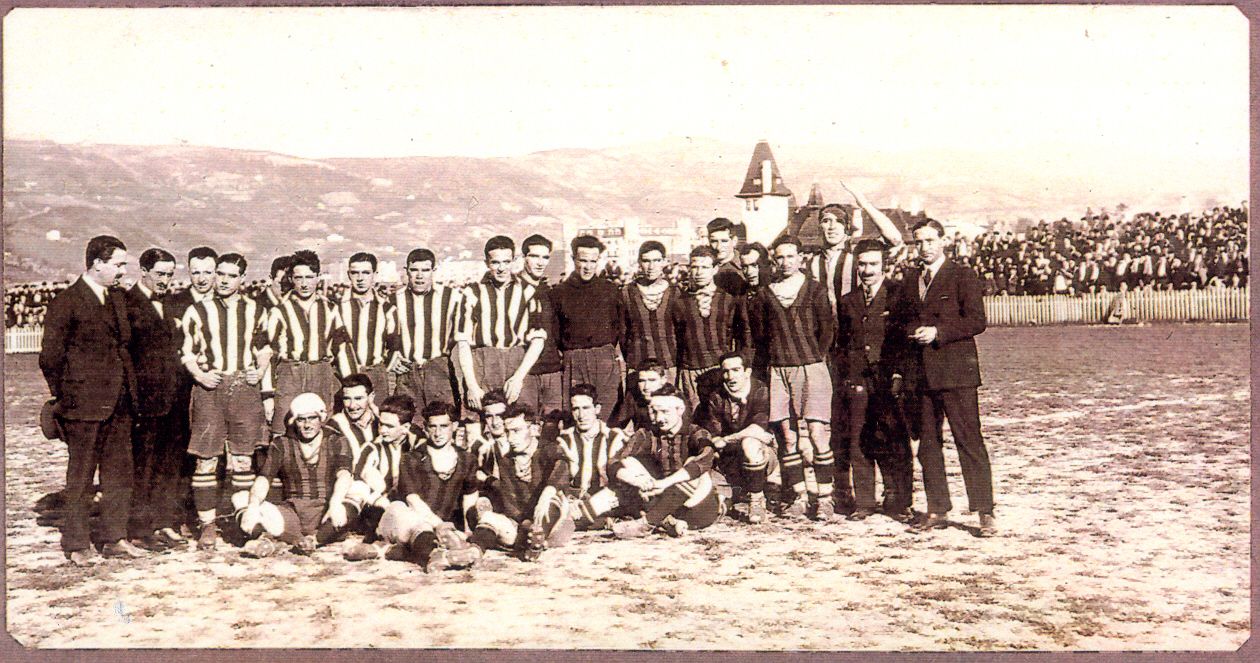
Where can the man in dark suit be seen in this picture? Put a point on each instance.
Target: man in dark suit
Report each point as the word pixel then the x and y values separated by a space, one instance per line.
pixel 156 454
pixel 85 362
pixel 950 313
pixel 875 346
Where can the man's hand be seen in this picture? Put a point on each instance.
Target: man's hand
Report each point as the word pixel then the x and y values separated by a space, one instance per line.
pixel 474 396
pixel 253 376
pixel 719 442
pixel 269 408
pixel 208 379
pixel 336 514
pixel 924 335
pixel 897 384
pixel 396 365
pixel 512 388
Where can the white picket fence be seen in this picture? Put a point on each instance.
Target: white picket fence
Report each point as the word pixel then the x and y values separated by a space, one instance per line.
pixel 22 339
pixel 1212 305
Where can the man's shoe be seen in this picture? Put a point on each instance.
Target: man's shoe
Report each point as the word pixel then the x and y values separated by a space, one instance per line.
pixel 121 548
pixel 169 534
pixel 988 526
pixel 843 503
pixel 632 529
pixel 825 510
pixel 263 546
pixel 362 552
pixel 905 515
pixel 860 514
pixel 932 521
pixel 85 557
pixel 757 508
pixel 153 543
pixel 482 506
pixel 798 508
pixel 535 541
pixel 209 536
pixel 675 527
pixel 448 538
pixel 442 559
pixel 307 545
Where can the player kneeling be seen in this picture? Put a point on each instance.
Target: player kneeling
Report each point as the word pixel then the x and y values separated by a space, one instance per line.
pixel 436 484
pixel 663 474
pixel 313 465
pixel 524 508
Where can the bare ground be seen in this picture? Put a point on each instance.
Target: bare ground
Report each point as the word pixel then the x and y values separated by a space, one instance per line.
pixel 1121 465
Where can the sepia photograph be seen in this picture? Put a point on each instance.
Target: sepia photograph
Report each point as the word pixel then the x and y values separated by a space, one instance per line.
pixel 744 328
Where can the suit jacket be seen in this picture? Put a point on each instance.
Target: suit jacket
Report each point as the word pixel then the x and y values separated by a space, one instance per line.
pixel 955 306
pixel 154 353
pixel 875 338
pixel 175 306
pixel 84 355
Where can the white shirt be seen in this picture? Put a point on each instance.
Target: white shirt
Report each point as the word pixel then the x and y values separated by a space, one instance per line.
pixel 97 289
pixel 149 296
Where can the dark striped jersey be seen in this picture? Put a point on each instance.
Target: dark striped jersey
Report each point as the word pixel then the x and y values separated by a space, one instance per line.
pixel 303 480
pixel 494 316
pixel 703 339
pixel 549 361
pixel 730 279
pixel 225 333
pixel 690 448
pixel 358 437
pixel 723 414
pixel 425 323
pixel 588 456
pixel 515 482
pixel 369 325
pixel 311 333
pixel 795 335
pixel 442 493
pixel 648 332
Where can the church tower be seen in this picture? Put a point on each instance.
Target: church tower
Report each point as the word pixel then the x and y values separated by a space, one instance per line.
pixel 767 201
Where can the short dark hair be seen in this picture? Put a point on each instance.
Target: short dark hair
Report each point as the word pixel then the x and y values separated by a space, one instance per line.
pixel 421 255
pixel 363 256
pixel 281 264
pixel 356 380
pixel 498 243
pixel 652 245
pixel 535 240
pixel 930 223
pixel 438 409
pixel 233 259
pixel 868 245
pixel 733 354
pixel 667 390
pixel 102 248
pixel 719 224
pixel 493 396
pixel 153 256
pixel 763 256
pixel 584 389
pixel 518 409
pixel 202 252
pixel 651 364
pixel 305 258
pixel 585 242
pixel 786 239
pixel 704 252
pixel 400 404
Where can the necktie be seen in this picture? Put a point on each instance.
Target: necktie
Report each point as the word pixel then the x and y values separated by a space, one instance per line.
pixel 927 282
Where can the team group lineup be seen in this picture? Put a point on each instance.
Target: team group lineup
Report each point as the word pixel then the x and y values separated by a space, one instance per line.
pixel 438 423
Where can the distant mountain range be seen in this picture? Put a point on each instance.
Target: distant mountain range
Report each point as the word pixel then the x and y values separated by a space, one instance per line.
pixel 262 204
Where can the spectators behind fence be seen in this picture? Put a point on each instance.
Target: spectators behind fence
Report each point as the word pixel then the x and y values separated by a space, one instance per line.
pixel 1098 254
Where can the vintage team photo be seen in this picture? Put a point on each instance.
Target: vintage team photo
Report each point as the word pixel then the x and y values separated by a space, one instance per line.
pixel 751 328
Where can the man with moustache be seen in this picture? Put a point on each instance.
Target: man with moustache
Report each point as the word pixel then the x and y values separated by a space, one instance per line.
pixel 85 362
pixel 544 391
pixel 647 303
pixel 585 305
pixel 948 313
pixel 157 455
pixel 876 348
pixel 368 323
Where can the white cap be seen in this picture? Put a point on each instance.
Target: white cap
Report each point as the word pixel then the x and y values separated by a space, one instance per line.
pixel 306 404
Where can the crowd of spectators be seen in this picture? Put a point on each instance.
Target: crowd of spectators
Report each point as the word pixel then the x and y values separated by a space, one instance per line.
pixel 1101 253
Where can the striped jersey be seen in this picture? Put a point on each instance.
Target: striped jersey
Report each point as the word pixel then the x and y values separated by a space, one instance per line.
pixel 494 316
pixel 311 334
pixel 358 437
pixel 836 272
pixel 702 340
pixel 425 323
pixel 303 480
pixel 225 333
pixel 369 325
pixel 648 333
pixel 588 457
pixel 386 459
pixel 796 335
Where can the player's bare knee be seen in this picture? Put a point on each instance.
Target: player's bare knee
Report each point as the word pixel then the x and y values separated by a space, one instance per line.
pixel 754 451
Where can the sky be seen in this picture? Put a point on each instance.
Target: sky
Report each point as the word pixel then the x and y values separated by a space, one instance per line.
pixel 1083 83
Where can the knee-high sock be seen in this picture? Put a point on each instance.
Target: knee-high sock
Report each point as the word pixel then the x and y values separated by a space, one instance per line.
pixel 824 470
pixel 423 545
pixel 755 475
pixel 205 489
pixel 484 538
pixel 794 472
pixel 666 504
pixel 327 532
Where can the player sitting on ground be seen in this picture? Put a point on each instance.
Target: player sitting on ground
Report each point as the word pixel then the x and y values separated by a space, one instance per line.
pixel 313 464
pixel 589 444
pixel 524 508
pixel 662 473
pixel 632 412
pixel 377 470
pixel 738 416
pixel 436 485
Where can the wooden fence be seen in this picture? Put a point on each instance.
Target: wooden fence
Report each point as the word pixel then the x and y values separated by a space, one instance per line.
pixel 22 339
pixel 1212 305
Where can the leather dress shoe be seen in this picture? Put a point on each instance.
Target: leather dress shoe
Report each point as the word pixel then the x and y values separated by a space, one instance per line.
pixel 860 514
pixel 988 526
pixel 85 557
pixel 932 521
pixel 153 543
pixel 905 515
pixel 121 548
pixel 170 534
